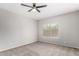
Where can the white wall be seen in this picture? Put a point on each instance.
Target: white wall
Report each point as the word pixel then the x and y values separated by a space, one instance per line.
pixel 16 30
pixel 68 30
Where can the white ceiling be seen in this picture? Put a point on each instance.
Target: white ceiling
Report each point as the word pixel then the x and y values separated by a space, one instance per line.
pixel 52 9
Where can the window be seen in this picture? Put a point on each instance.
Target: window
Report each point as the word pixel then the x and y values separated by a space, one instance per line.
pixel 50 30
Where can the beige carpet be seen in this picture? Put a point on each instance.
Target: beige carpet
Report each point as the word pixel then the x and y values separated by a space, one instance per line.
pixel 41 49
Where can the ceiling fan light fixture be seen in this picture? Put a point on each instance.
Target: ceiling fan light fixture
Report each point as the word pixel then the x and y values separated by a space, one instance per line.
pixel 34 10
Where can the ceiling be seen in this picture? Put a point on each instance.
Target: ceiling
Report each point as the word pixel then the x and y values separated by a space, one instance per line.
pixel 52 9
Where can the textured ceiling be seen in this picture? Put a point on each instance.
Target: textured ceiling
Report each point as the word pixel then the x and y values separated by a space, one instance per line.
pixel 52 9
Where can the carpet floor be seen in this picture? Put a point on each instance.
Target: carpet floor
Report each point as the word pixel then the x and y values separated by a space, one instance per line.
pixel 41 49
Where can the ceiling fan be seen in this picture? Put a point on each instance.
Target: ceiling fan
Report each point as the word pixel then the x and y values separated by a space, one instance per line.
pixel 34 7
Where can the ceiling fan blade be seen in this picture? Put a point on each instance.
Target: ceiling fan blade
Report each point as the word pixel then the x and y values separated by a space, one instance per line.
pixel 41 6
pixel 38 10
pixel 26 5
pixel 30 10
pixel 34 4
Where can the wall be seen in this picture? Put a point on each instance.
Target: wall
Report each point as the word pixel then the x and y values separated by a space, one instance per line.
pixel 68 30
pixel 16 30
